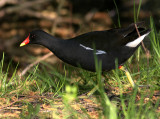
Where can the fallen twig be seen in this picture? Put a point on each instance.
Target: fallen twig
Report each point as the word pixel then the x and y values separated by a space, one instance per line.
pixel 34 63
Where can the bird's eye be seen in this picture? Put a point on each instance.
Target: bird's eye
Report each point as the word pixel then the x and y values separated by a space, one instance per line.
pixel 33 36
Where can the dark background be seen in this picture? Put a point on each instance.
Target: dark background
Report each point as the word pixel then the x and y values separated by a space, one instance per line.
pixel 65 19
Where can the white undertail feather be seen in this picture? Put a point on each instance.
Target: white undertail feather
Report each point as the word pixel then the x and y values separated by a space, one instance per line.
pixel 136 41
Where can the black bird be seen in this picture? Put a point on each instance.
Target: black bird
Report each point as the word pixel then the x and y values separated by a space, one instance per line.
pixel 109 45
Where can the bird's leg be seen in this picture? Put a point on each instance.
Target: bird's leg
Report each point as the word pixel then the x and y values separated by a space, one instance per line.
pixel 92 91
pixel 95 88
pixel 128 75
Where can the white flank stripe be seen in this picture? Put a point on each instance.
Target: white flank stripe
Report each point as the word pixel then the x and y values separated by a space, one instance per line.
pixel 136 41
pixel 87 48
pixel 98 52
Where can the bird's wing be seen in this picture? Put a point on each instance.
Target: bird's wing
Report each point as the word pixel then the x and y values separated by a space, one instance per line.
pixel 101 40
pixel 109 39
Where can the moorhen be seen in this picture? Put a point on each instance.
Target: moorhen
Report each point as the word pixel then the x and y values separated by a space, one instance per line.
pixel 108 45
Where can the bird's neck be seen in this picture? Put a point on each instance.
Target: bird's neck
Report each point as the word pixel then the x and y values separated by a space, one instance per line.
pixel 53 44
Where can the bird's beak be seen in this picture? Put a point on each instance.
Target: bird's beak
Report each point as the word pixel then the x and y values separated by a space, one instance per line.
pixel 25 42
pixel 22 44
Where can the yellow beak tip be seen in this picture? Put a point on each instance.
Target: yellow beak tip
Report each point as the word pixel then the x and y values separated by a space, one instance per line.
pixel 22 44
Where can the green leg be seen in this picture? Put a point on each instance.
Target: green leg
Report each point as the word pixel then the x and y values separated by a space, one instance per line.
pixel 92 91
pixel 128 75
pixel 95 88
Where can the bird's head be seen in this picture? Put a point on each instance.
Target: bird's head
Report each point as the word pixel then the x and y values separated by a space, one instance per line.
pixel 34 37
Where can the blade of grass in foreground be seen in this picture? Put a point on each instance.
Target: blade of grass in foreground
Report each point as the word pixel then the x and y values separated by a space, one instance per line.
pixel 155 38
pixel 109 110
